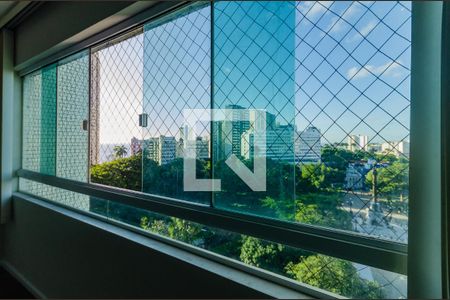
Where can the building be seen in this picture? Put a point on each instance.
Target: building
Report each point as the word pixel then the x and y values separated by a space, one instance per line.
pixel 94 111
pixel 357 142
pixel 396 148
pixel 202 148
pixel 374 147
pixel 228 132
pixel 199 146
pixel 160 149
pixel 276 143
pixel 354 176
pixel 237 122
pixel 308 146
pixel 135 146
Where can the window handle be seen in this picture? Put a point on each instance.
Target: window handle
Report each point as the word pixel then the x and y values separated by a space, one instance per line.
pixel 85 125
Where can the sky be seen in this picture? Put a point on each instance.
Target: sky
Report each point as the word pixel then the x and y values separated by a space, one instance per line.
pixel 310 63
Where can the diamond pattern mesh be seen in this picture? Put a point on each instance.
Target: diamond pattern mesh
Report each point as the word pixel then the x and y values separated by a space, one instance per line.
pixel 54 142
pixel 176 77
pixel 39 110
pixel 116 99
pixel 353 78
pixel 61 196
pixel 73 108
pixel 333 78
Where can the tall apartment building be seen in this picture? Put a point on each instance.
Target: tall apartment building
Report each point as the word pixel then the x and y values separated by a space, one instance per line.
pixel 237 122
pixel 278 144
pixel 199 147
pixel 357 142
pixel 161 149
pixel 308 146
pixel 396 148
pixel 94 111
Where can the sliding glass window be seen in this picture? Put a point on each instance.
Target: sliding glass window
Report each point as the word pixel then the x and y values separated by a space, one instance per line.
pixel 297 112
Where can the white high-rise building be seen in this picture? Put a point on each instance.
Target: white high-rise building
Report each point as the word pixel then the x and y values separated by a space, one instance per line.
pixel 199 147
pixel 279 143
pixel 308 146
pixel 160 149
pixel 396 148
pixel 357 142
pixel 135 146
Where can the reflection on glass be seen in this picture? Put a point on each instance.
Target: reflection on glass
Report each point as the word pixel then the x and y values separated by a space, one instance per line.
pixel 331 78
pixel 72 112
pixel 39 121
pixel 254 48
pixel 48 121
pixel 176 77
pixel 332 81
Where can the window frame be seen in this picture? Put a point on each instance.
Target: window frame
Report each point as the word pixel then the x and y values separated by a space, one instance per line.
pixel 387 255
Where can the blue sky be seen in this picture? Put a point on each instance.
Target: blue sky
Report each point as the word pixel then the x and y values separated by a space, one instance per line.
pixel 309 62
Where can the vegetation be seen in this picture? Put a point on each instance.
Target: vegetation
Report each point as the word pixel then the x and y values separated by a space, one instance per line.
pixel 317 200
pixel 334 275
pixel 391 180
pixel 120 151
pixel 122 172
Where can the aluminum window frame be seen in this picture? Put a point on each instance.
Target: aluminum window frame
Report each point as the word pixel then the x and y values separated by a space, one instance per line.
pixel 386 255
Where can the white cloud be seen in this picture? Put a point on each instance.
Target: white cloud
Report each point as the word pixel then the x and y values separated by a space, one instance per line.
pixel 368 28
pixel 391 68
pixel 351 11
pixel 363 32
pixel 337 24
pixel 313 8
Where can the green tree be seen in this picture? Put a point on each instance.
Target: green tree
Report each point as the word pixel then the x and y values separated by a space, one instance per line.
pixel 268 255
pixel 320 176
pixel 174 228
pixel 391 180
pixel 120 151
pixel 338 158
pixel 123 173
pixel 323 209
pixel 334 275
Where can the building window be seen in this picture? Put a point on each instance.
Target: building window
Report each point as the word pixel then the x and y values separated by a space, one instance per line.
pixel 326 82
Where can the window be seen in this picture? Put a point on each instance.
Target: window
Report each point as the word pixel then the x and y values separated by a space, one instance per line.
pixel 315 94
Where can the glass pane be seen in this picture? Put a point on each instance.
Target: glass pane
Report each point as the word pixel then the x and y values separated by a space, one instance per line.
pixel 352 112
pixel 254 65
pixel 176 78
pixel 116 102
pixel 39 121
pixel 61 196
pixel 72 112
pixel 333 79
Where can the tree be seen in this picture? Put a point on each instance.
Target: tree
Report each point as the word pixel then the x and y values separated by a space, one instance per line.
pixel 320 176
pixel 123 173
pixel 322 209
pixel 334 275
pixel 120 151
pixel 338 158
pixel 268 255
pixel 175 228
pixel 391 180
